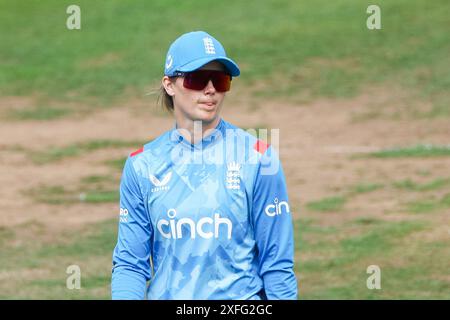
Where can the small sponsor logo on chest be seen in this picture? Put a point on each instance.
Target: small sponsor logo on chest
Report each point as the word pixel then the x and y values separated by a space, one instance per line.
pixel 160 185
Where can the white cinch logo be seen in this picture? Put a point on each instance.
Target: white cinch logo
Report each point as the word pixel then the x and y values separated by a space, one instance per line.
pixel 123 215
pixel 275 209
pixel 233 180
pixel 209 46
pixel 173 229
pixel 160 185
pixel 169 62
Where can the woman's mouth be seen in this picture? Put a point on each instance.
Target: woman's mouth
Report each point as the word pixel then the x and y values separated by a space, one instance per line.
pixel 209 104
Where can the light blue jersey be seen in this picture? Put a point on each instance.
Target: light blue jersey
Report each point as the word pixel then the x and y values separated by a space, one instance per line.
pixel 204 221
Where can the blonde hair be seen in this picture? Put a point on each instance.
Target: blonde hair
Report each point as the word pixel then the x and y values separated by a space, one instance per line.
pixel 165 99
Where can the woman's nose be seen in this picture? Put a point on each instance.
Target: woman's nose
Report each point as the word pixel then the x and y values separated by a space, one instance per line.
pixel 210 88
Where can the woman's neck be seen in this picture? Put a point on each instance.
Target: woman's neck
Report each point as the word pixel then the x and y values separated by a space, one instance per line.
pixel 195 130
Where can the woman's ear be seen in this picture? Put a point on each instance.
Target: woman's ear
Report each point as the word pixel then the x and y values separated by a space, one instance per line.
pixel 168 85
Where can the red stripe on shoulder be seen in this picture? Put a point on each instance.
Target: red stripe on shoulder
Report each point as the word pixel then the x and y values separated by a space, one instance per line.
pixel 137 152
pixel 261 146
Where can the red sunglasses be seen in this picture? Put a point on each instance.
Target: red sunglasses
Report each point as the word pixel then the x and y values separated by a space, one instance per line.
pixel 198 80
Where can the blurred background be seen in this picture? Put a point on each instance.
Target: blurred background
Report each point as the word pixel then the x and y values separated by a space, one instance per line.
pixel 364 121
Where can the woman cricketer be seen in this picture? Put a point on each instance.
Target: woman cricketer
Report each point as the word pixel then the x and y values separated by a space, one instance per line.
pixel 204 210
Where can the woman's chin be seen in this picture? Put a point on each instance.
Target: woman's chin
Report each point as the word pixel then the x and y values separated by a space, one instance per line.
pixel 206 114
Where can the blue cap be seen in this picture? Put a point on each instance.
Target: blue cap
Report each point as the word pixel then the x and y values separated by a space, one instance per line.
pixel 193 50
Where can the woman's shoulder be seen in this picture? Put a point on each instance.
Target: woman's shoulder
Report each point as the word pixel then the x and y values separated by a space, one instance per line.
pixel 152 147
pixel 242 132
pixel 249 136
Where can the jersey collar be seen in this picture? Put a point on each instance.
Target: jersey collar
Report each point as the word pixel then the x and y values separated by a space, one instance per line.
pixel 215 135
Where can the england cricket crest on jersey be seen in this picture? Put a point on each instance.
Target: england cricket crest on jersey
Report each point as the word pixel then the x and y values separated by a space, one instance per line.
pixel 233 177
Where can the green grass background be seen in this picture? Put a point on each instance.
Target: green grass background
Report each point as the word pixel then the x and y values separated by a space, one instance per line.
pixel 287 49
pixel 320 48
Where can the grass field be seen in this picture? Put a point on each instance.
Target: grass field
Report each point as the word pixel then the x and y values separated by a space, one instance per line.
pixel 74 104
pixel 323 49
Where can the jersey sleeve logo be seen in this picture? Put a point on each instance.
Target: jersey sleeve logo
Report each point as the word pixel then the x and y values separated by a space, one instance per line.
pixel 277 208
pixel 123 215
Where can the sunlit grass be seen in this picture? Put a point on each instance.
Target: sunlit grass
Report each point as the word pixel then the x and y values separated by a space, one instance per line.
pixel 119 51
pixel 77 149
pixel 410 185
pixel 327 204
pixel 418 151
pixel 331 269
pixel 40 113
pixel 429 205
pixel 38 269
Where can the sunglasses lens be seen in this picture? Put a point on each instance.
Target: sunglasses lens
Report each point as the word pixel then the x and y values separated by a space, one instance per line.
pixel 195 80
pixel 222 82
pixel 198 80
